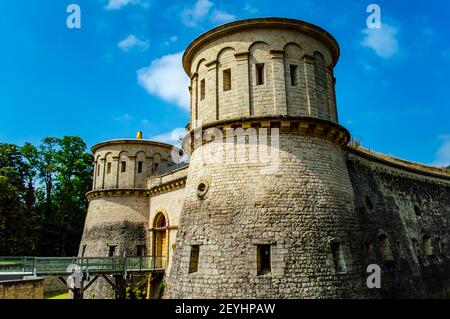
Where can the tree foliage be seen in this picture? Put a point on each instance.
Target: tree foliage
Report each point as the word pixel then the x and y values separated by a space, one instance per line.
pixel 42 196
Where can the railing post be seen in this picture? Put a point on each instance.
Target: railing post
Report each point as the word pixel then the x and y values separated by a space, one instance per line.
pixel 34 266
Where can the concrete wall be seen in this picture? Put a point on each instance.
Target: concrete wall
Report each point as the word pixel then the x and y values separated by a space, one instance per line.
pixel 22 289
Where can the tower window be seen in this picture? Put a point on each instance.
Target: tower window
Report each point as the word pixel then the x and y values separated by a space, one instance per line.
pixel 369 203
pixel 140 165
pixel 263 259
pixel 417 211
pixel 427 247
pixel 98 170
pixel 227 79
pixel 294 76
pixel 140 250
pixel 193 261
pixel 439 245
pixel 259 73
pixel 112 251
pixel 155 167
pixel 337 251
pixel 108 168
pixel 123 166
pixel 202 89
pixel 385 248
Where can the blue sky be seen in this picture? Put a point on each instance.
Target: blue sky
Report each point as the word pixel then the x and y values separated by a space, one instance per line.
pixel 108 79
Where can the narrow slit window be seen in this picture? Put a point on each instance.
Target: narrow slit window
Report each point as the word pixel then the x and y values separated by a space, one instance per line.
pixel 427 247
pixel 193 261
pixel 123 166
pixel 259 73
pixel 294 76
pixel 140 165
pixel 264 260
pixel 112 251
pixel 338 257
pixel 227 79
pixel 108 168
pixel 155 167
pixel 98 170
pixel 385 248
pixel 202 89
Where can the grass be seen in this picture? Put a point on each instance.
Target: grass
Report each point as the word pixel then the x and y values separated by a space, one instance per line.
pixel 57 295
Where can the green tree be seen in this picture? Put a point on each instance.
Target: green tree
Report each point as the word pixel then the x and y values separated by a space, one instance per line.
pixel 16 203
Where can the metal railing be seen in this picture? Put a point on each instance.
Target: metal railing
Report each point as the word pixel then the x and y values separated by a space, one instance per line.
pixel 67 265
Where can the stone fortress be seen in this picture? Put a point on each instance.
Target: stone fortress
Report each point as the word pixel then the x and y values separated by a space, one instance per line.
pixel 304 224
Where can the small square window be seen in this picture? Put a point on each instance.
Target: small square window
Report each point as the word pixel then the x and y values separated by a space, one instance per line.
pixel 202 89
pixel 112 251
pixel 140 250
pixel 264 260
pixel 123 166
pixel 140 165
pixel 193 262
pixel 227 79
pixel 259 73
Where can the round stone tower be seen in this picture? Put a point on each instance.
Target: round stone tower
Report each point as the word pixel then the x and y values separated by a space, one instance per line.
pixel 269 207
pixel 118 214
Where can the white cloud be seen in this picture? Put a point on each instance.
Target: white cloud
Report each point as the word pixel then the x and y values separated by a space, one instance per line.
pixel 249 9
pixel 172 137
pixel 123 118
pixel 382 41
pixel 166 78
pixel 202 10
pixel 218 16
pixel 119 4
pixel 443 153
pixel 172 39
pixel 132 42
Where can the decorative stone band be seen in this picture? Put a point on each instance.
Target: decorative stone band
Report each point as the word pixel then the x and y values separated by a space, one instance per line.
pixel 121 192
pixel 286 124
pixel 399 163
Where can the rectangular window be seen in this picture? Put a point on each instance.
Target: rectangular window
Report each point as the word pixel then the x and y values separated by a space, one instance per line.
pixel 155 167
pixel 112 251
pixel 140 250
pixel 264 259
pixel 123 166
pixel 227 79
pixel 294 79
pixel 108 168
pixel 193 262
pixel 98 170
pixel 140 165
pixel 338 257
pixel 202 89
pixel 259 73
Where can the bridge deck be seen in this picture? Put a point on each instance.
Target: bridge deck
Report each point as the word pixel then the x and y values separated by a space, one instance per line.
pixel 60 266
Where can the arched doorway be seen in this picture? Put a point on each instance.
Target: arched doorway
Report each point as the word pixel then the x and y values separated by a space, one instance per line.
pixel 160 240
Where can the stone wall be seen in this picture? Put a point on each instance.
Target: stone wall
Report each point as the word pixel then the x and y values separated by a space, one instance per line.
pixel 22 289
pixel 300 207
pixel 412 210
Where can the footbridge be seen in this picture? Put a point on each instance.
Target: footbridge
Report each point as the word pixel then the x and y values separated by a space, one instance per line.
pixel 84 271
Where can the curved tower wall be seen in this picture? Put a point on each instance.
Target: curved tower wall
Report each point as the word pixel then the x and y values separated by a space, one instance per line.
pixel 298 203
pixel 117 220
